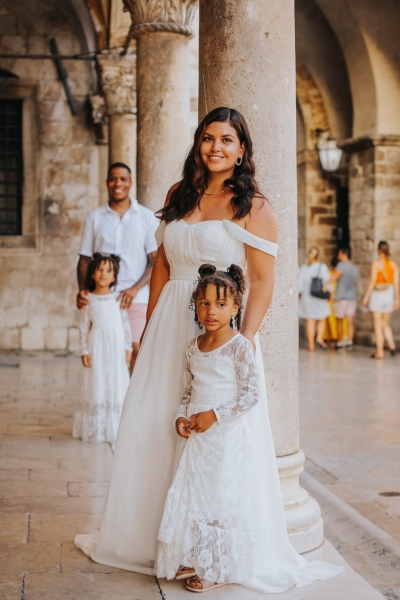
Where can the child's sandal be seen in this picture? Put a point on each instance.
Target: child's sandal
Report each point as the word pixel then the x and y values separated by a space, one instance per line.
pixel 206 586
pixel 184 573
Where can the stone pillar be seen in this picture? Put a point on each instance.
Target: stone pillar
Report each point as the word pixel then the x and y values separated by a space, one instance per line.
pixel 247 61
pixel 374 192
pixel 118 83
pixel 162 31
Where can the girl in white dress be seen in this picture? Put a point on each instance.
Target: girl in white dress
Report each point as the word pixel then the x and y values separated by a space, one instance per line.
pixel 206 525
pixel 106 346
pixel 214 215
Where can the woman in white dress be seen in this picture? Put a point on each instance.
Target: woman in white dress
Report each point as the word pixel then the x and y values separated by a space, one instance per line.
pixel 215 215
pixel 314 310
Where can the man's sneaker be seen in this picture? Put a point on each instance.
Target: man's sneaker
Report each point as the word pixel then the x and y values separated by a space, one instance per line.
pixel 340 345
pixel 350 346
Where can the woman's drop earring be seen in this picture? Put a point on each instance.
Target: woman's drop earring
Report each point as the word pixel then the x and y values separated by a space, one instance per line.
pixel 239 161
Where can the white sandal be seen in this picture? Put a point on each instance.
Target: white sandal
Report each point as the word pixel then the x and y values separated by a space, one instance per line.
pixel 206 586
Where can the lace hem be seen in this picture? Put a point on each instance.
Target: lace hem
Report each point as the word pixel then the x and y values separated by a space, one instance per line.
pixel 95 429
pixel 217 554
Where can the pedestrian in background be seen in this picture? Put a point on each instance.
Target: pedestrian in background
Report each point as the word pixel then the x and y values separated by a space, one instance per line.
pixel 382 298
pixel 345 305
pixel 314 310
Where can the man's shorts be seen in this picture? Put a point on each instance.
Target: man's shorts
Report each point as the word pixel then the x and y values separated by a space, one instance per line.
pixel 344 308
pixel 137 319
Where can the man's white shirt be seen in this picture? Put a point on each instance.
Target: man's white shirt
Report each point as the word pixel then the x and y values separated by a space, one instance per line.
pixel 130 237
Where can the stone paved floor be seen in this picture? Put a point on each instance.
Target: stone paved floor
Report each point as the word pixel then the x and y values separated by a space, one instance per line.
pixel 53 486
pixel 350 433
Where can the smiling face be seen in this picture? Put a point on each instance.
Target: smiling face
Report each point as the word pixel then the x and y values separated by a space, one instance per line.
pixel 104 275
pixel 215 312
pixel 220 147
pixel 119 183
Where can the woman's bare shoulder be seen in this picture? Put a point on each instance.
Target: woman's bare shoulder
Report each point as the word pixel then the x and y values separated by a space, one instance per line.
pixel 261 219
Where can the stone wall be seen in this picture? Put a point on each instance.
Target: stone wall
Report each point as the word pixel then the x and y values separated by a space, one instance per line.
pixel 38 285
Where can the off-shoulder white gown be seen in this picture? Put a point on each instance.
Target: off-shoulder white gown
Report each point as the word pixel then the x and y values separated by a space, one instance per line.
pixel 144 455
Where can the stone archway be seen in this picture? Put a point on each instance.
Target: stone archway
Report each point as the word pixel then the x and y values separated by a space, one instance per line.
pixel 346 26
pixel 316 194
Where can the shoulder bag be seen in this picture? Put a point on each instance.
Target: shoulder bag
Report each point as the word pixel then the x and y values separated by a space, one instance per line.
pixel 316 287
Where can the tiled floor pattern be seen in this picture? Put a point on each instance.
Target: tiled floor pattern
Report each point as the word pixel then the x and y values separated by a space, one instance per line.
pixel 350 432
pixel 53 486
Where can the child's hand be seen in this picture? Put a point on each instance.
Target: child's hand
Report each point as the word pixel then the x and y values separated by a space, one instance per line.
pixel 128 355
pixel 202 421
pixel 181 427
pixel 86 360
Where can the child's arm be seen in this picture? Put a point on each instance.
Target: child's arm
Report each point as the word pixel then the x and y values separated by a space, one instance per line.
pixel 247 377
pixel 84 328
pixel 181 421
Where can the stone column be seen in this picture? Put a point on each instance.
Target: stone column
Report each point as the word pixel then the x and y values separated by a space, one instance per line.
pixel 374 192
pixel 162 31
pixel 118 83
pixel 247 61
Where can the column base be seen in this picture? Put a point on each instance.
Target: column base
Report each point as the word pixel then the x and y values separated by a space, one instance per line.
pixel 303 514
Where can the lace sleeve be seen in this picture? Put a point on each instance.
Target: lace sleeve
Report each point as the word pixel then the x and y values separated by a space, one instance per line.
pixel 247 377
pixel 127 330
pixel 186 393
pixel 84 328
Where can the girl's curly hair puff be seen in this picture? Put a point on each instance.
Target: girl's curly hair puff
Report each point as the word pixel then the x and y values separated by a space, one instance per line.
pixel 96 261
pixel 231 282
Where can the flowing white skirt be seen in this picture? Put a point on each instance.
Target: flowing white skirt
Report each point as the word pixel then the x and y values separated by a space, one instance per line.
pixel 144 456
pixel 103 388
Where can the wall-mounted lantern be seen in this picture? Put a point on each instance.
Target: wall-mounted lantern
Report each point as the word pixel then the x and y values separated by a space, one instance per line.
pixel 329 154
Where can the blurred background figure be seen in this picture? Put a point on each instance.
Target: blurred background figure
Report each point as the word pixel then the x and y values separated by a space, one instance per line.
pixel 345 304
pixel 382 297
pixel 314 310
pixel 106 346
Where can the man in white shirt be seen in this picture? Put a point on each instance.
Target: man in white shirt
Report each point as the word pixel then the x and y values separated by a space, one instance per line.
pixel 125 228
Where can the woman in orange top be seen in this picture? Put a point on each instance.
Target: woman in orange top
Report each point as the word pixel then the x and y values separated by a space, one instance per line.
pixel 382 297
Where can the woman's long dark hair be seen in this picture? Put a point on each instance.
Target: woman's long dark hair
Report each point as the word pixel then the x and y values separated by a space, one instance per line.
pixel 187 195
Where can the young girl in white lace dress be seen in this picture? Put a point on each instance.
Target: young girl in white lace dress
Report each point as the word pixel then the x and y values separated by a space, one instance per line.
pixel 106 346
pixel 206 533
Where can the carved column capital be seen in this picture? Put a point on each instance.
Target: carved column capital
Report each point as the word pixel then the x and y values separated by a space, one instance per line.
pixel 118 82
pixel 170 16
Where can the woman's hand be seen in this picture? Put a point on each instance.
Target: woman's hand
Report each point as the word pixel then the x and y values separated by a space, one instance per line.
pixel 128 355
pixel 181 426
pixel 86 360
pixel 200 422
pixel 364 301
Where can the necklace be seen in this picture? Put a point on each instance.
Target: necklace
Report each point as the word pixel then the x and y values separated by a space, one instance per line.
pixel 217 194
